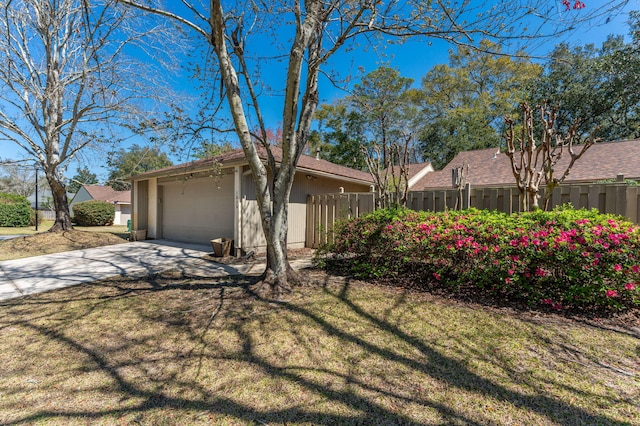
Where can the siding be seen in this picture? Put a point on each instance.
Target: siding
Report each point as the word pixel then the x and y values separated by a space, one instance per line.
pixel 252 236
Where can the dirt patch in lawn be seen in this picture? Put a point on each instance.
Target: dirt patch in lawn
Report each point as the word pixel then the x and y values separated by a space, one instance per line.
pixel 54 242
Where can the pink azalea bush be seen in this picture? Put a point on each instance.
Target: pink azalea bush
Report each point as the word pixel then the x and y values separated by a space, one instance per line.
pixel 564 259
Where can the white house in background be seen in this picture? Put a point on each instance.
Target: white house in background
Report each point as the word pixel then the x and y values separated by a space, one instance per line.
pixel 120 199
pixel 216 197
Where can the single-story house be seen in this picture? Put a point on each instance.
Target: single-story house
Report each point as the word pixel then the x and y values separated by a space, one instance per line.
pixel 121 200
pixel 216 198
pixel 492 168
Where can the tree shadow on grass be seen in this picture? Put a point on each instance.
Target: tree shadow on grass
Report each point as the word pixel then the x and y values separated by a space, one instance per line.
pixel 225 304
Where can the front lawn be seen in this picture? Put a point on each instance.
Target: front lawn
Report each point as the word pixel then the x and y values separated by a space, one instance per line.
pixel 178 350
pixel 42 242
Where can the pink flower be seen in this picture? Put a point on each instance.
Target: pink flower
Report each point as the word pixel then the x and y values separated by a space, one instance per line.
pixel 436 276
pixel 511 271
pixel 540 272
pixel 507 280
pixel 547 301
pixel 635 269
pixel 617 267
pixel 611 293
pixel 630 286
pixel 389 226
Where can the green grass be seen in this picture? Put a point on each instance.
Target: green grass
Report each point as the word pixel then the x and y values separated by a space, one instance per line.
pixel 26 230
pixel 174 350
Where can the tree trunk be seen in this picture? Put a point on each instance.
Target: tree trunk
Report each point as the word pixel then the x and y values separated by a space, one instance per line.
pixel 61 205
pixel 272 194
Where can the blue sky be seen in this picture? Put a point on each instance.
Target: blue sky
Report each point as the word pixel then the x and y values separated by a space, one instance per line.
pixel 413 59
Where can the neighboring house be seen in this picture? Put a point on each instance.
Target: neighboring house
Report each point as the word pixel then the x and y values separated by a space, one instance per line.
pixel 415 172
pixel 492 168
pixel 45 198
pixel 121 200
pixel 216 198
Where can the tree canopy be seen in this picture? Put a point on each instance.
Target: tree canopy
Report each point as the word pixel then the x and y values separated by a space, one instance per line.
pixel 83 177
pixel 464 103
pixel 595 87
pixel 137 159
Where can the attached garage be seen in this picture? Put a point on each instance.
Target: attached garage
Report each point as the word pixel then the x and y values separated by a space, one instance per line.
pixel 215 197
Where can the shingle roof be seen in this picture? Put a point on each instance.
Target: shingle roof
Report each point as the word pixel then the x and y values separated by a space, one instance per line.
pixel 489 167
pixel 306 163
pixel 106 193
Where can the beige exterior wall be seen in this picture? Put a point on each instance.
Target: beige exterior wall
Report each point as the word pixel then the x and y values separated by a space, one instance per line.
pixel 303 185
pixel 140 213
pixel 196 210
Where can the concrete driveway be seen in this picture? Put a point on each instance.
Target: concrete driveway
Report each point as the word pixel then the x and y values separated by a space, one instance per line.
pixel 43 273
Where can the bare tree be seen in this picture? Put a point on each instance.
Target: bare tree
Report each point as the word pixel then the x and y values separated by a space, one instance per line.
pixel 16 178
pixel 64 82
pixel 313 31
pixel 534 160
pixel 388 164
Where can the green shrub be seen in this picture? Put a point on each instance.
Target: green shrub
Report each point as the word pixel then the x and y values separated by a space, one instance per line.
pixel 94 213
pixel 15 210
pixel 32 220
pixel 577 259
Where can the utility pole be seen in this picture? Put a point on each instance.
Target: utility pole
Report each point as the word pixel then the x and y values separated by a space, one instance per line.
pixel 35 165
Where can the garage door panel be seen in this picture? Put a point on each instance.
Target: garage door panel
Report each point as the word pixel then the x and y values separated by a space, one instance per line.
pixel 197 210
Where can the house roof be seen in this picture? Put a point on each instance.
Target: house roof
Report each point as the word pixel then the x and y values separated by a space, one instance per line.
pixel 236 157
pixel 490 167
pixel 106 193
pixel 415 172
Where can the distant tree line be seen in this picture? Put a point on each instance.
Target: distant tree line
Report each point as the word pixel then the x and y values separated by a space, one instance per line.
pixel 462 105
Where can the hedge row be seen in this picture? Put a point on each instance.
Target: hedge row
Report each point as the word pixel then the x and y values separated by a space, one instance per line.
pixel 564 259
pixel 15 210
pixel 94 213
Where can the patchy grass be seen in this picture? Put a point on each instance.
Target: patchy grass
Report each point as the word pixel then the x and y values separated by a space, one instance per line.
pixel 178 350
pixel 56 242
pixel 26 230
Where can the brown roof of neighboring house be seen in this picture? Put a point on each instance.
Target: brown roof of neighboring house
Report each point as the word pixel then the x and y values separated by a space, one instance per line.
pixel 237 157
pixel 106 193
pixel 490 167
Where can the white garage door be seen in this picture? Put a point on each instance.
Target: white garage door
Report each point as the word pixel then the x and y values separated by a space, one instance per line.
pixel 197 210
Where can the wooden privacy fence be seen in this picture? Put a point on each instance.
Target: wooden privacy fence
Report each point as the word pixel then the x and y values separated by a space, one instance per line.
pixel 324 210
